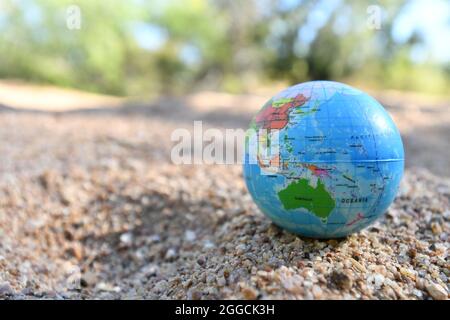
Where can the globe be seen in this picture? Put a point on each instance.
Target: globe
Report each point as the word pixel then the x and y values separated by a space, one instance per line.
pixel 323 159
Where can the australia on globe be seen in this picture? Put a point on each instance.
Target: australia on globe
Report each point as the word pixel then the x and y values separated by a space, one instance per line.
pixel 323 159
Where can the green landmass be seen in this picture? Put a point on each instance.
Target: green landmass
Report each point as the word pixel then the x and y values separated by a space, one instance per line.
pixel 288 144
pixel 301 111
pixel 278 103
pixel 300 194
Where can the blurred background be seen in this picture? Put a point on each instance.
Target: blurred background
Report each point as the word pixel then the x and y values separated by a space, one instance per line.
pixel 136 47
pixel 91 91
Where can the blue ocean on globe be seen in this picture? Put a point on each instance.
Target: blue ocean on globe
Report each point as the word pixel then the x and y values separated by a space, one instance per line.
pixel 338 162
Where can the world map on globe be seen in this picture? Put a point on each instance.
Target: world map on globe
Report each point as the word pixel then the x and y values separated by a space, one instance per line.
pixel 338 163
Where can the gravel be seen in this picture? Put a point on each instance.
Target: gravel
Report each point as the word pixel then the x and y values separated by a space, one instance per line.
pixel 91 207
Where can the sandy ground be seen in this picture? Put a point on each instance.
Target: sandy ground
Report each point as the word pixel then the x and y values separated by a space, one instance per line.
pixel 92 207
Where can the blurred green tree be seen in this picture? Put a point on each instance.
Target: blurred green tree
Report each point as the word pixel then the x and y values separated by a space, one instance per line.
pixel 171 47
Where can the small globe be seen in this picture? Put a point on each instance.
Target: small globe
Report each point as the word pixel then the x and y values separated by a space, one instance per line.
pixel 323 159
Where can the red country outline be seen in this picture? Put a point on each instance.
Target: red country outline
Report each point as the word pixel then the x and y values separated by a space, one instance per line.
pixel 277 118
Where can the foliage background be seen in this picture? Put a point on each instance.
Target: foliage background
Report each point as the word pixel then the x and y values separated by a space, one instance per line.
pixel 141 47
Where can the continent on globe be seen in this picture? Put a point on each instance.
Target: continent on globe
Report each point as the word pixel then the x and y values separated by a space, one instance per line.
pixel 275 115
pixel 299 194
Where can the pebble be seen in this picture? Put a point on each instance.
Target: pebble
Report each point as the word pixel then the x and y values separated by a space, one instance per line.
pixel 378 280
pixel 103 286
pixel 240 249
pixel 201 261
pixel 194 294
pixel 126 238
pixel 358 265
pixel 440 248
pixel 76 250
pixel 436 291
pixel 436 228
pixel 408 273
pixel 190 235
pixel 149 270
pixel 154 238
pixel 221 281
pixel 210 279
pixel 249 293
pixel 418 293
pixel 207 245
pixel 88 279
pixel 341 280
pixel 317 292
pixel 171 254
pixel 5 289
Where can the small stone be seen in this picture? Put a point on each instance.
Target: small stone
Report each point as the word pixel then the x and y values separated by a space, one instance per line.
pixel 439 248
pixel 190 235
pixel 436 291
pixel 378 280
pixel 48 179
pixel 333 242
pixel 221 281
pixel 126 238
pixel 154 238
pixel 75 250
pixel 88 279
pixel 149 270
pixel 249 293
pixel 103 286
pixel 194 294
pixel 201 261
pixel 160 286
pixel 408 273
pixel 171 254
pixel 145 201
pixel 274 262
pixel 436 228
pixel 341 280
pixel 417 293
pixel 5 289
pixel 317 292
pixel 240 249
pixel 210 279
pixel 358 265
pixel 412 253
pixel 208 245
pixel 68 235
pixel 26 291
pixel 187 284
pixel 68 194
